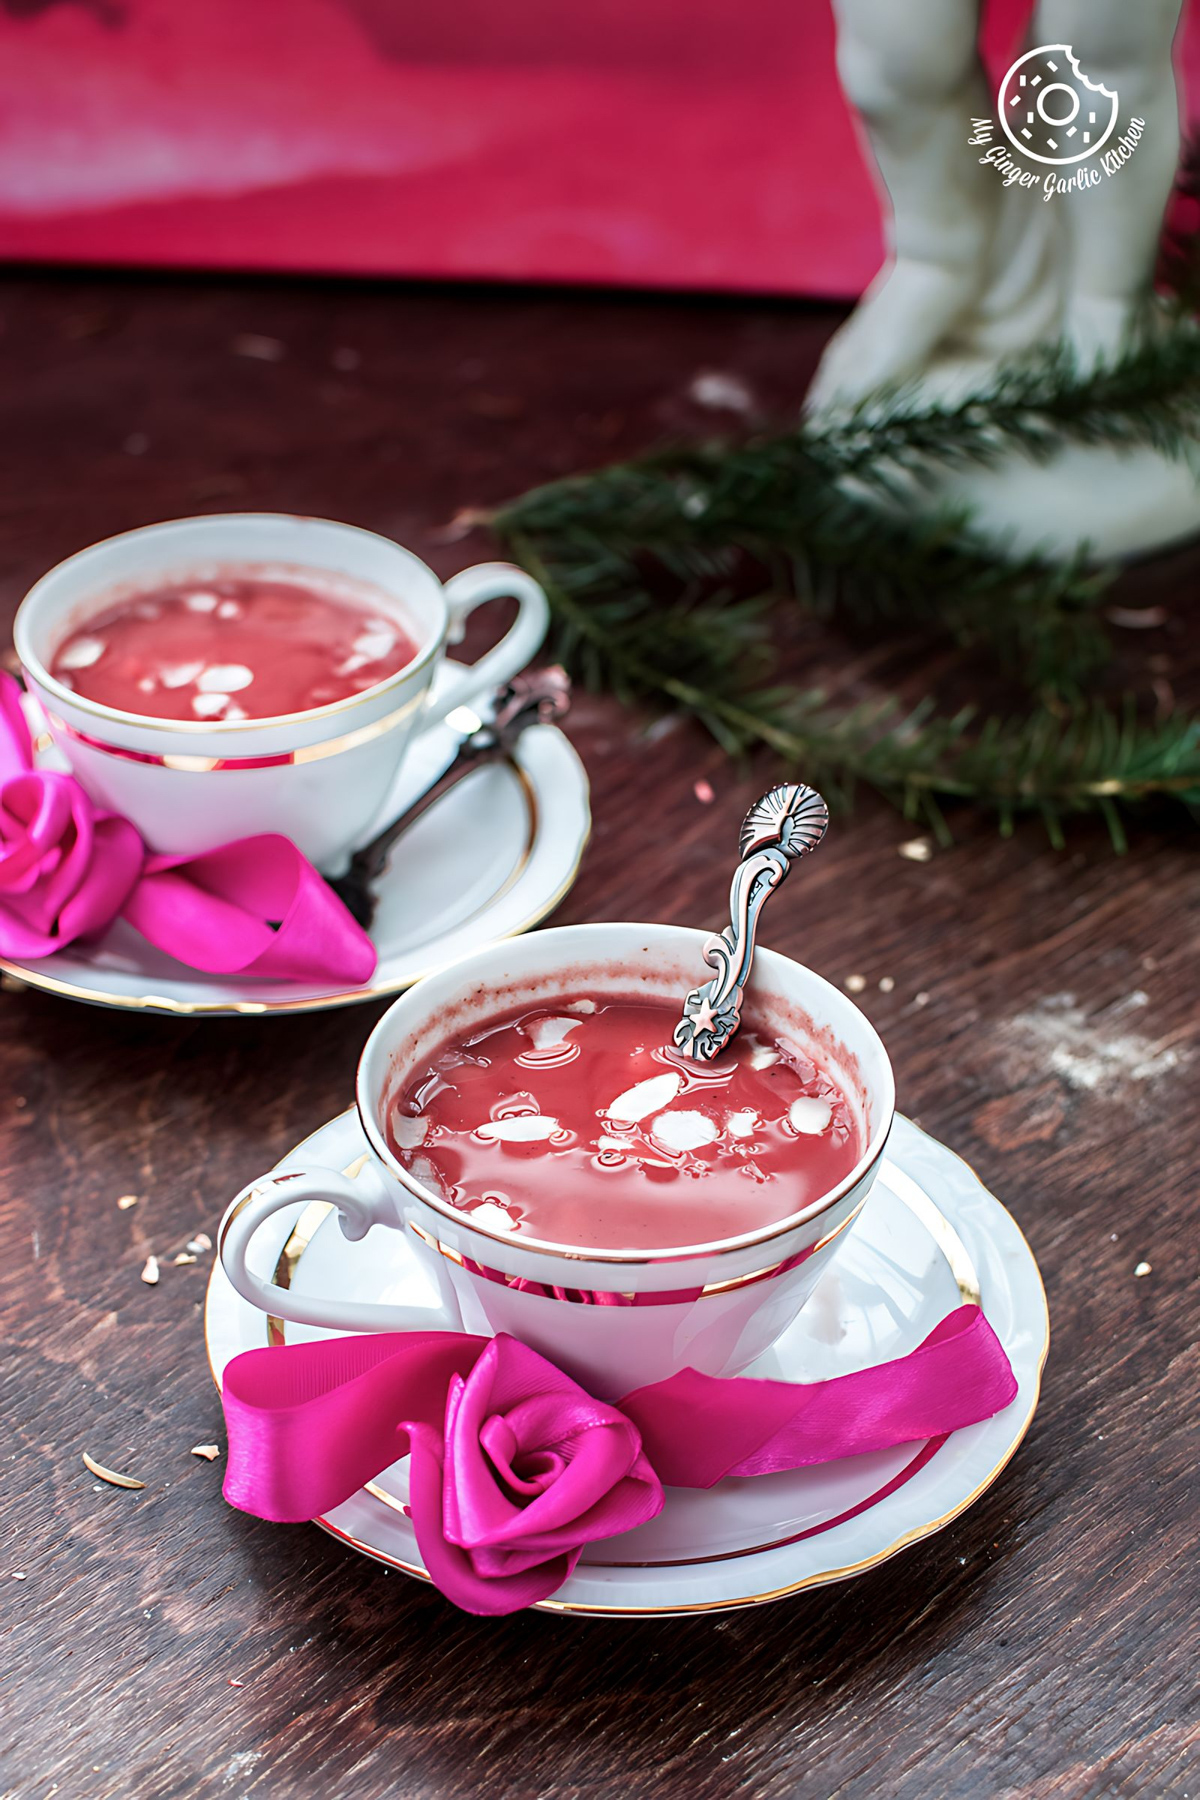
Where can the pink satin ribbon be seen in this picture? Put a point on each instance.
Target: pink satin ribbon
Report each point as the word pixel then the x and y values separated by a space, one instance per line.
pixel 515 1467
pixel 67 870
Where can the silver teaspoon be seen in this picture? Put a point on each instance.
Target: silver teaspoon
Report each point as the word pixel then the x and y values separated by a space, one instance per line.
pixel 786 824
pixel 538 697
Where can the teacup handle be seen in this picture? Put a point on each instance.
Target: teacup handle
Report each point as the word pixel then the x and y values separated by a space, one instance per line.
pixel 361 1203
pixel 523 639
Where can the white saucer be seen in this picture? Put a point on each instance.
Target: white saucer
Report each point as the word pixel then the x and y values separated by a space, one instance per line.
pixel 492 858
pixel 930 1236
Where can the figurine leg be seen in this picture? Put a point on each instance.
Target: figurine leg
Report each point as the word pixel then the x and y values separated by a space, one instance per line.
pixel 1111 231
pixel 913 74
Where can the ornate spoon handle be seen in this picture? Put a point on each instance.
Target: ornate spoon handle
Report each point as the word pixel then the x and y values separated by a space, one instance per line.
pixel 787 823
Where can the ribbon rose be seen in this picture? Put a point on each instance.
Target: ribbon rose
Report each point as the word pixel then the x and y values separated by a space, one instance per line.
pixel 533 1468
pixel 67 870
pixel 514 1468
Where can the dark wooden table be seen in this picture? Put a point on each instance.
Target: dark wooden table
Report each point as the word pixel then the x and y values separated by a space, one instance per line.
pixel 159 1644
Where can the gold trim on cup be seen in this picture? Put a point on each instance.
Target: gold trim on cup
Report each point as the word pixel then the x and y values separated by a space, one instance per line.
pixel 575 1297
pixel 208 765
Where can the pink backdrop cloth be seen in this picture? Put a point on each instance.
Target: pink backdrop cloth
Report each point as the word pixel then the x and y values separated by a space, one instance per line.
pixel 515 1468
pixel 667 144
pixel 67 870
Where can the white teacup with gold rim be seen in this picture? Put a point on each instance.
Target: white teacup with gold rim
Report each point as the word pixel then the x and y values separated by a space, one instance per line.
pixel 320 777
pixel 613 1318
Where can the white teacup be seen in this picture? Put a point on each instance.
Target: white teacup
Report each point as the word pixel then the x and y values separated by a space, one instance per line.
pixel 320 777
pixel 645 1314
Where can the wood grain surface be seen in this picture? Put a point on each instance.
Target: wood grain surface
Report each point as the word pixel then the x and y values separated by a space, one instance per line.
pixel 1040 1007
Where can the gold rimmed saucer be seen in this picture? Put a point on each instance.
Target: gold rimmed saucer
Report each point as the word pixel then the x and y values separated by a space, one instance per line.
pixel 493 858
pixel 930 1238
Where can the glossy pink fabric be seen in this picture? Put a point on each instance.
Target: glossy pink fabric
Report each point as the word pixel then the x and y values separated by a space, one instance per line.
pixel 515 1467
pixel 254 907
pixel 667 144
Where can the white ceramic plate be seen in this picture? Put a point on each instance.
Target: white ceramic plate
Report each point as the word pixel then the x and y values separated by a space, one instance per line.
pixel 492 858
pixel 930 1236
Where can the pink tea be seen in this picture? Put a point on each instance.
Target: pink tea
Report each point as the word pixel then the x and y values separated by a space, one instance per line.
pixel 245 647
pixel 578 1123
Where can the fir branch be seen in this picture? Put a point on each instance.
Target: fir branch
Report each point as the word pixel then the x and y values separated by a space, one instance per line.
pixel 843 507
pixel 1092 760
pixel 698 513
pixel 837 507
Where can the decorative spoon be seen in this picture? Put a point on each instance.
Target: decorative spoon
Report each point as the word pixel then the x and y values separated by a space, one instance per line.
pixel 786 824
pixel 538 697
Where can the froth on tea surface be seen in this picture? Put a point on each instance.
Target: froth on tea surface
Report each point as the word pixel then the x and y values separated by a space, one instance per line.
pixel 579 1124
pixel 245 647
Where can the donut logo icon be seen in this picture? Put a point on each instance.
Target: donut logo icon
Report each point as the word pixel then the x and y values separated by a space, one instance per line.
pixel 1051 112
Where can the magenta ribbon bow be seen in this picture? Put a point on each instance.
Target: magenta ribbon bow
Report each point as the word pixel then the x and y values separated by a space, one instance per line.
pixel 515 1467
pixel 253 907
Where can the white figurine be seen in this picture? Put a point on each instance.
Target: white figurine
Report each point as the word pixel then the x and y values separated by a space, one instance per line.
pixel 986 264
